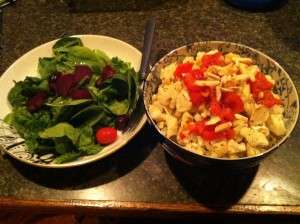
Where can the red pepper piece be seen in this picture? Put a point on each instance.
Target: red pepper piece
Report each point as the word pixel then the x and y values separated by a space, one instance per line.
pixel 214 59
pixel 260 84
pixel 233 101
pixel 269 100
pixel 182 69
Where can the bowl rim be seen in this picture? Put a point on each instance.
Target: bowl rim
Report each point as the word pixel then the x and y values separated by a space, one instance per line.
pixel 273 148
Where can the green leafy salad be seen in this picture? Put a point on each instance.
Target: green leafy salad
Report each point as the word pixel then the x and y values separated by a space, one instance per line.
pixel 77 104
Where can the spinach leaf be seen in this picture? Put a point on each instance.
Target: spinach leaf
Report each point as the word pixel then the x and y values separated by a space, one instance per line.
pixel 86 141
pixel 90 116
pixel 29 125
pixel 60 102
pixel 66 42
pixel 22 90
pixel 63 145
pixel 118 107
pixel 67 157
pixel 61 130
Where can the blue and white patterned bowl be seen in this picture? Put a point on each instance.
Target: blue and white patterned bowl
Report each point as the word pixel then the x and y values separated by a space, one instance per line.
pixel 284 87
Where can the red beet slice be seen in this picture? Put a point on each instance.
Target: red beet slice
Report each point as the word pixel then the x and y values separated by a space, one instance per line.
pixel 107 72
pixel 63 84
pixel 37 101
pixel 81 72
pixel 121 121
pixel 80 94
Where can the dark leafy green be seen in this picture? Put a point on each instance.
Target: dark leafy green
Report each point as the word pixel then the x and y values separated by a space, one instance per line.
pixel 22 90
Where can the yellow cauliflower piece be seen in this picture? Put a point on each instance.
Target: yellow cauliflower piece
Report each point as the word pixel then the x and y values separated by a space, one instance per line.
pixel 189 60
pixel 172 125
pixel 234 147
pixel 156 113
pixel 254 137
pixel 185 119
pixel 183 102
pixel 276 124
pixel 167 73
pixel 166 94
pixel 250 71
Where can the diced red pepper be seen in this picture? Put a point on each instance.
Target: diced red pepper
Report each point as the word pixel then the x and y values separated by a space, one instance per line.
pixel 183 68
pixel 228 114
pixel 196 98
pixel 189 81
pixel 200 126
pixel 214 59
pixel 215 108
pixel 260 84
pixel 198 73
pixel 192 127
pixel 220 110
pixel 209 133
pixel 269 100
pixel 229 133
pixel 182 135
pixel 233 101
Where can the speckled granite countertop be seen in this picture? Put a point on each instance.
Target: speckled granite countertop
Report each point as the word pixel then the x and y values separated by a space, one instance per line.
pixel 147 175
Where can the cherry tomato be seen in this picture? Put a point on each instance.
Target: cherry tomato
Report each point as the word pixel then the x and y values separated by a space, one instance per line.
pixel 106 135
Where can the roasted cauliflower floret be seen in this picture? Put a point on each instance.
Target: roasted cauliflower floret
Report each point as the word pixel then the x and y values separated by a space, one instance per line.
pixel 172 125
pixel 156 113
pixel 254 137
pixel 183 102
pixel 166 95
pixel 235 147
pixel 276 124
pixel 167 73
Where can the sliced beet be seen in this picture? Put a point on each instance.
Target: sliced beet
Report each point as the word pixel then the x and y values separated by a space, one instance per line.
pixel 121 122
pixel 99 82
pixel 107 72
pixel 79 94
pixel 63 84
pixel 36 101
pixel 81 72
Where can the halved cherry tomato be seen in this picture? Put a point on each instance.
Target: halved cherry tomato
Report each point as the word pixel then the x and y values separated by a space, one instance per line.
pixel 183 68
pixel 107 135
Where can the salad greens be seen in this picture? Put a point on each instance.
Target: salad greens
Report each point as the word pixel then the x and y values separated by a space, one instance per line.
pixel 78 91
